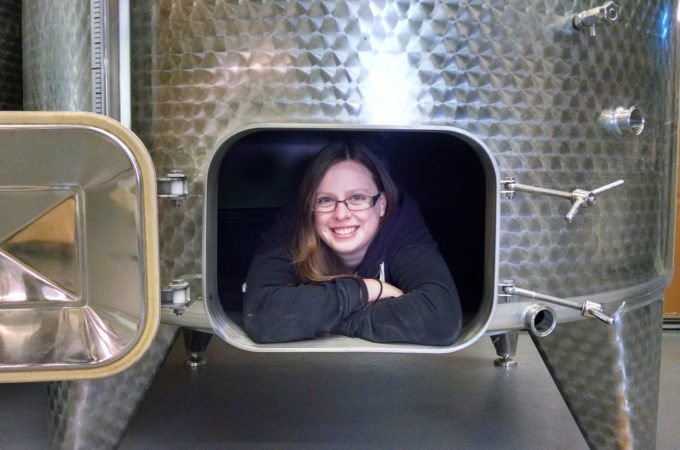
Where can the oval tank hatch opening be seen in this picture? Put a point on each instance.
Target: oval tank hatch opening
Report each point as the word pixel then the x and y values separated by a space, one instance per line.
pixel 257 173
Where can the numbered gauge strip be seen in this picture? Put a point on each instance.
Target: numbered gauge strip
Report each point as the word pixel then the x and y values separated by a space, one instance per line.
pixel 98 50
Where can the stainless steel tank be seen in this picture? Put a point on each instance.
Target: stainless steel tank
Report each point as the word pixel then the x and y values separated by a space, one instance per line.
pixel 558 100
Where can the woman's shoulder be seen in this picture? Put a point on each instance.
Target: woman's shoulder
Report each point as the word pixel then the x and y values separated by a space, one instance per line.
pixel 405 225
pixel 406 211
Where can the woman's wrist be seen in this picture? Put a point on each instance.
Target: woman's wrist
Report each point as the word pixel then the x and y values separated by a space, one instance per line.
pixel 374 288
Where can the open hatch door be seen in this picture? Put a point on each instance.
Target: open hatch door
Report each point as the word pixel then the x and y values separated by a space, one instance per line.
pixel 79 280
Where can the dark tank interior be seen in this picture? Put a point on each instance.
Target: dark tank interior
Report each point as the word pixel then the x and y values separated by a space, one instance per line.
pixel 261 171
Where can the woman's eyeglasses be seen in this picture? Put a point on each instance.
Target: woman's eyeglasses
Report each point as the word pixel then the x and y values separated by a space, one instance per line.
pixel 356 202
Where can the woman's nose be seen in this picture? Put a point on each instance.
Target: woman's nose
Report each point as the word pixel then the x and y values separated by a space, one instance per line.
pixel 341 211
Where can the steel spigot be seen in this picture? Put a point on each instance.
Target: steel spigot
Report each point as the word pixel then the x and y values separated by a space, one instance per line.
pixel 589 19
pixel 585 199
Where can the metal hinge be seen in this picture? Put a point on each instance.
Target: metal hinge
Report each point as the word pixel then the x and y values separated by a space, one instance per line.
pixel 587 308
pixel 177 295
pixel 174 186
pixel 579 197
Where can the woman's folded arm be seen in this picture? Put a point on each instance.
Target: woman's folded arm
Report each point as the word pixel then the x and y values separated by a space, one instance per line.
pixel 278 310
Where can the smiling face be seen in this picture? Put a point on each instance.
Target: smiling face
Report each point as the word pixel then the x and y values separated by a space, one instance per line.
pixel 348 233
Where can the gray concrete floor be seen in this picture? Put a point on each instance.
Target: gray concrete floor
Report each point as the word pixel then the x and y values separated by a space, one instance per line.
pixel 255 400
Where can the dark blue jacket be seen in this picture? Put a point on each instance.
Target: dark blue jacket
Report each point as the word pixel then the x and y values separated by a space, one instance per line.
pixel 278 308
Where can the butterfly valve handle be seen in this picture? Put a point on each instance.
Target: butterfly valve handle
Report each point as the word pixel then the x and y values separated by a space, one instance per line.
pixel 587 308
pixel 580 198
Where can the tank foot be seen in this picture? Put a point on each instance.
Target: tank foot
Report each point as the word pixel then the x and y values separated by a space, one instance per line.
pixel 608 375
pixel 95 413
pixel 196 343
pixel 506 347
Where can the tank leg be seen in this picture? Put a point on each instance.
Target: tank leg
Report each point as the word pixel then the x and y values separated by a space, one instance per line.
pixel 196 342
pixel 87 414
pixel 609 374
pixel 506 347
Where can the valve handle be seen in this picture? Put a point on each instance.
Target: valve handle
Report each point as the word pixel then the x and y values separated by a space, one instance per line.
pixel 582 198
pixel 592 309
pixel 606 187
pixel 575 207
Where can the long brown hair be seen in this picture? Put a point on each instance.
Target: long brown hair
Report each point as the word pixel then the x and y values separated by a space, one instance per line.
pixel 313 260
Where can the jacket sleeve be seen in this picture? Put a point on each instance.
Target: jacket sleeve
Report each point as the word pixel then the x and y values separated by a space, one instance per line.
pixel 429 311
pixel 277 308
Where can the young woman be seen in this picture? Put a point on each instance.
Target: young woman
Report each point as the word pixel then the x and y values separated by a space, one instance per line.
pixel 354 257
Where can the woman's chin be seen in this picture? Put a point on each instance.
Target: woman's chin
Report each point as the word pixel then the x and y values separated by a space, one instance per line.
pixel 345 248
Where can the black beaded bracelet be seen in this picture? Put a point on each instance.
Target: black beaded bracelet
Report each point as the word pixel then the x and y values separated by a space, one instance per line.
pixel 379 292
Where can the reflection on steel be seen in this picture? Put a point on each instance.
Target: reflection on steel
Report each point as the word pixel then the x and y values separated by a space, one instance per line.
pixel 71 337
pixel 579 197
pixel 587 308
pixel 623 121
pixel 22 286
pixel 93 413
pixel 588 20
pixel 506 347
pixel 609 375
pixel 540 320
pixel 49 244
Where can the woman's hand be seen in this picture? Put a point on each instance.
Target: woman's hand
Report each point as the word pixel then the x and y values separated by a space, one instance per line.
pixel 388 290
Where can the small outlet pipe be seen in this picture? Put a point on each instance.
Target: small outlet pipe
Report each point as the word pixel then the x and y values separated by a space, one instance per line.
pixel 623 121
pixel 540 320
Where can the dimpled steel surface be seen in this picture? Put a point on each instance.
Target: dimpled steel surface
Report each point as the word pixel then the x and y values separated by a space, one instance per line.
pixel 10 55
pixel 513 73
pixel 95 413
pixel 56 55
pixel 609 376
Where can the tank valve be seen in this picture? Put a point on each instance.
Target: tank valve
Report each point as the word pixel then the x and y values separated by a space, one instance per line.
pixel 623 121
pixel 580 198
pixel 588 20
pixel 587 308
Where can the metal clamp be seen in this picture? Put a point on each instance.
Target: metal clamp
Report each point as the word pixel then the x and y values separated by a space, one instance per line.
pixel 177 295
pixel 587 308
pixel 501 292
pixel 580 198
pixel 589 19
pixel 174 186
